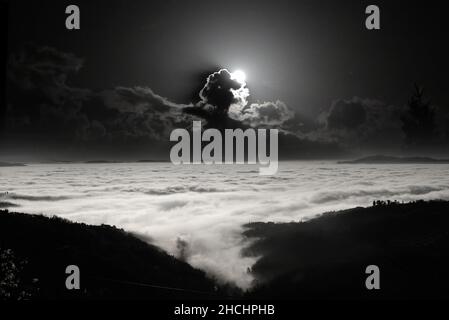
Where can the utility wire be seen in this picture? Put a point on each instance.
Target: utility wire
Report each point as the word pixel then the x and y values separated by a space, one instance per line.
pixel 141 284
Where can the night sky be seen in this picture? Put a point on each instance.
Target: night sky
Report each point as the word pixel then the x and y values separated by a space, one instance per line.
pixel 117 87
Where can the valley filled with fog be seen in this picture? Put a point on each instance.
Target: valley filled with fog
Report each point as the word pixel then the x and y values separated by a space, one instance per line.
pixel 197 212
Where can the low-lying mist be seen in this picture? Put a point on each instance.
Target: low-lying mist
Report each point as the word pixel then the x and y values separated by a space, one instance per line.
pixel 197 212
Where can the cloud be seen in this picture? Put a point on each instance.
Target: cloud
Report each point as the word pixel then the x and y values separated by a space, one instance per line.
pixel 347 114
pixel 360 124
pixel 183 249
pixel 223 95
pixel 142 113
pixel 221 91
pixel 144 97
pixel 40 101
pixel 46 69
pixel 200 218
pixel 264 114
pixel 44 105
pixel 372 126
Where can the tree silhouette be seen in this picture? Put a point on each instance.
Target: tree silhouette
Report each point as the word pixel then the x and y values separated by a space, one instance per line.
pixel 11 282
pixel 418 122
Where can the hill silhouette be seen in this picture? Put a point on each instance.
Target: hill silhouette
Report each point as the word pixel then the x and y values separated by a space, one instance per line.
pixel 326 257
pixel 113 263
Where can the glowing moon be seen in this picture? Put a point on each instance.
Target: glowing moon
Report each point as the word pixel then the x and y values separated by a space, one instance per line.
pixel 239 76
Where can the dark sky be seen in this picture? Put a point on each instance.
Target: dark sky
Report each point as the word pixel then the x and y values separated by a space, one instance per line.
pixel 307 54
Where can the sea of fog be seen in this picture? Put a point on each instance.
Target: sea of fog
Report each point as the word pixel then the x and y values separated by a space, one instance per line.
pixel 198 211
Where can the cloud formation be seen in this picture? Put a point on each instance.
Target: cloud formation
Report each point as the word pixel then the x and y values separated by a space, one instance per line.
pixel 197 215
pixel 221 91
pixel 360 124
pixel 263 114
pixel 368 125
pixel 39 99
pixel 43 103
pixel 223 95
pixel 44 108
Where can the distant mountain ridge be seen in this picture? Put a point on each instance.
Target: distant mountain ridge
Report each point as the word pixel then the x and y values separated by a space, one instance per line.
pixel 390 159
pixel 11 164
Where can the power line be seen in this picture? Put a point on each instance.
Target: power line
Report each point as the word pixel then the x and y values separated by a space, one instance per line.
pixel 141 284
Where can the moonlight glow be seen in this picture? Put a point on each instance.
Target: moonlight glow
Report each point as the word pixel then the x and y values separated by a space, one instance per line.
pixel 239 76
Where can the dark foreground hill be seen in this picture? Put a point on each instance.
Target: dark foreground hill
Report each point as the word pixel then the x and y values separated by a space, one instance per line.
pixel 35 251
pixel 327 257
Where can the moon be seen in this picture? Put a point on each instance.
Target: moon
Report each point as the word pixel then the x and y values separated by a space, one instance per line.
pixel 239 76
